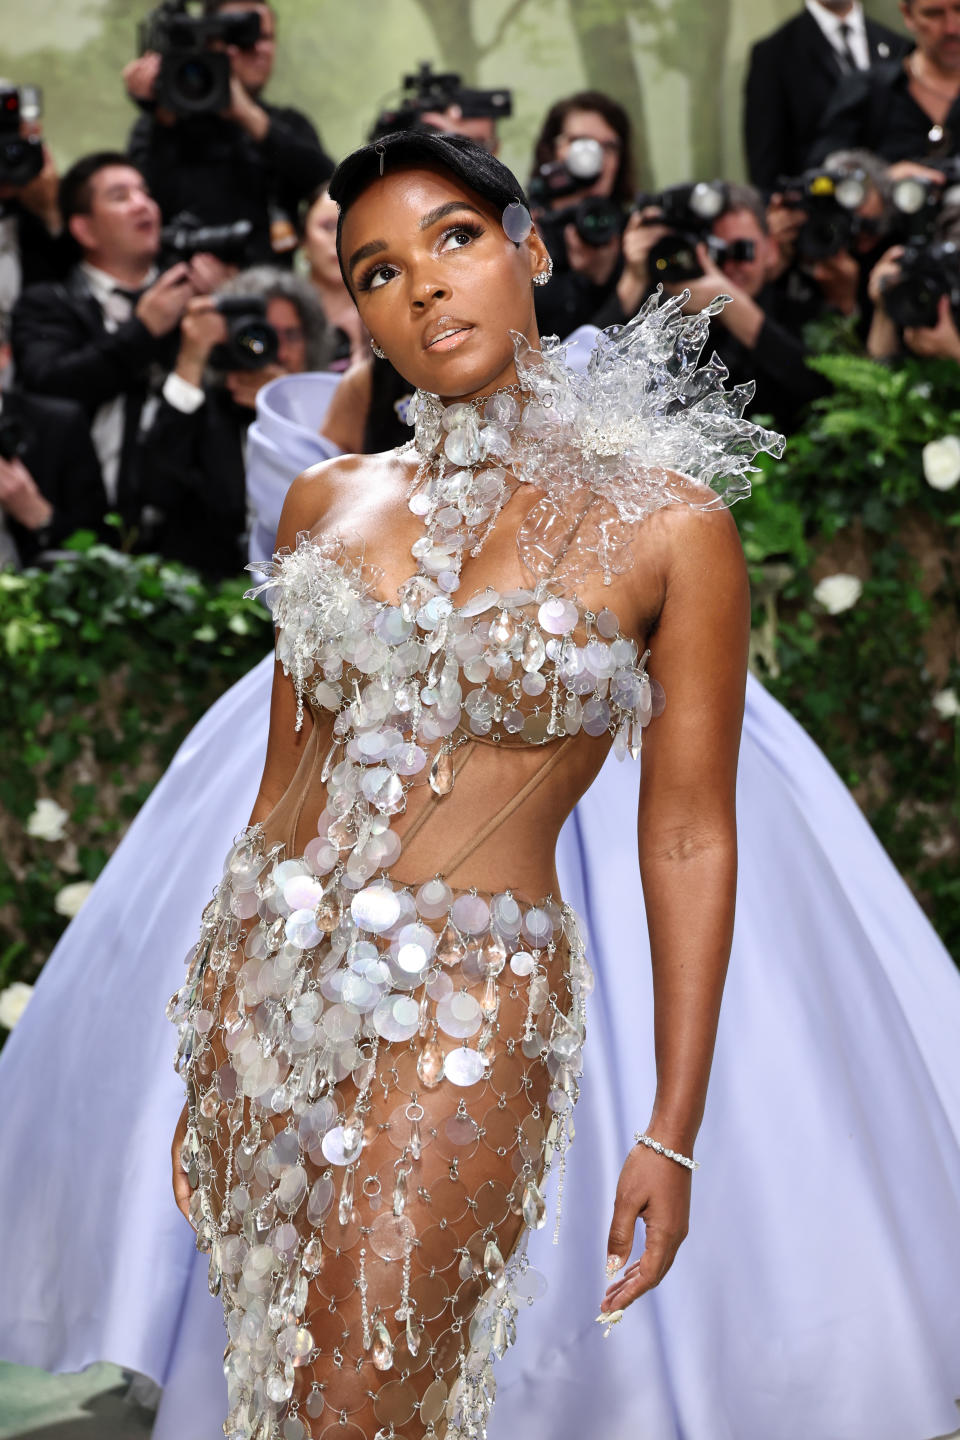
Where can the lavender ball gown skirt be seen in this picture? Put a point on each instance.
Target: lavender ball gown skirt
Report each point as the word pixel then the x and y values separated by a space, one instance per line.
pixel 817 1296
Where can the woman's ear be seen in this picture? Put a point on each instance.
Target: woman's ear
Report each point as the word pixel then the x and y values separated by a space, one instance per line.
pixel 538 254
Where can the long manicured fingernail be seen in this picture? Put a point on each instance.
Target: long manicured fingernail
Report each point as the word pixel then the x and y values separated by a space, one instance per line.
pixel 614 1263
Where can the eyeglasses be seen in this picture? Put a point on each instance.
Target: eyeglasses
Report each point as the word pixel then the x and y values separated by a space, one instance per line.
pixel 292 335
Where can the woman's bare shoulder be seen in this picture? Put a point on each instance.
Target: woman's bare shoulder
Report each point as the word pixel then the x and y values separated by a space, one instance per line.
pixel 323 487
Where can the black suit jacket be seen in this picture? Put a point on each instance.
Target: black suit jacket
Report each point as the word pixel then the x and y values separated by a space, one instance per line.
pixel 192 478
pixel 61 459
pixel 211 168
pixel 61 347
pixel 792 77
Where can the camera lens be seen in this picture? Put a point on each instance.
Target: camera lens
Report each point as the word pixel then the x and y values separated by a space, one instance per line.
pixel 195 81
pixel 910 195
pixel 851 192
pixel 707 201
pixel 584 159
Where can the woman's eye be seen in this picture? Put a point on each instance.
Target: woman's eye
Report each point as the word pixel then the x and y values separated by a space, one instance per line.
pixel 457 239
pixel 377 278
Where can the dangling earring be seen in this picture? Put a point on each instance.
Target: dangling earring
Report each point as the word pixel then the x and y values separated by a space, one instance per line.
pixel 516 222
pixel 542 276
pixel 377 351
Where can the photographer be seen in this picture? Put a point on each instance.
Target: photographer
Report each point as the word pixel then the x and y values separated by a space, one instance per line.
pixel 97 337
pixel 903 109
pixel 33 244
pixel 50 481
pixel 260 325
pixel 915 289
pixel 582 183
pixel 208 143
pixel 714 239
pixel 431 100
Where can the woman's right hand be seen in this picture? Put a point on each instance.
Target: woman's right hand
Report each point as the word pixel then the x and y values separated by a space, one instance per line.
pixel 181 1185
pixel 656 1189
pixel 883 274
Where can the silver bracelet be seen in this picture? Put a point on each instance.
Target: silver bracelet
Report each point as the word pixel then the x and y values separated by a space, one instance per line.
pixel 662 1150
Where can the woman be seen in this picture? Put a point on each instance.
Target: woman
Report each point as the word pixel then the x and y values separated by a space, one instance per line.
pixel 362 1185
pixel 839 1025
pixel 587 270
pixel 318 255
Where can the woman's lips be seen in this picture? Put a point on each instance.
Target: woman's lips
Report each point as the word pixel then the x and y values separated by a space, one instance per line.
pixel 450 338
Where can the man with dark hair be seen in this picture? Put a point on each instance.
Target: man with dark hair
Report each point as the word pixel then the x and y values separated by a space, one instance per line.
pixel 192 470
pixel 50 482
pixel 793 74
pixel 253 162
pixel 904 109
pixel 96 337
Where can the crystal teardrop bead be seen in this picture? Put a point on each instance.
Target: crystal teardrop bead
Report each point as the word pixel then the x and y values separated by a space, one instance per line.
pixel 503 629
pixel 382 1352
pixel 328 762
pixel 414 1336
pixel 493 1265
pixel 534 651
pixel 327 915
pixel 214 1273
pixel 534 1207
pixel 312 1256
pixel 400 1191
pixel 450 948
pixel 442 773
pixel 490 1002
pixel 416 1139
pixel 345 1207
pixel 430 1065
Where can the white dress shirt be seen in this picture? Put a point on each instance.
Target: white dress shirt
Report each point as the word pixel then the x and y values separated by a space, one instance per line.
pixel 856 31
pixel 108 423
pixel 8 550
pixel 10 268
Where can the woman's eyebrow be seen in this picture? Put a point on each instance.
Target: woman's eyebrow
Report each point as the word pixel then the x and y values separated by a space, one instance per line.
pixel 372 247
pixel 440 213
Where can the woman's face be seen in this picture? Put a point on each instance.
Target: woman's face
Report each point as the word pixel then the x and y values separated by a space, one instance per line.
pixel 320 241
pixel 438 284
pixel 589 125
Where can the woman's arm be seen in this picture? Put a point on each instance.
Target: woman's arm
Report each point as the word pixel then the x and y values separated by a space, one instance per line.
pixel 688 863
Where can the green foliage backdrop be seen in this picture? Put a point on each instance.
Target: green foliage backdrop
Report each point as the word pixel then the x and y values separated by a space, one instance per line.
pixel 676 64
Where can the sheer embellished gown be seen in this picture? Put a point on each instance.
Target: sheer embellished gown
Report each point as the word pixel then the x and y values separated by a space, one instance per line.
pixel 382 1023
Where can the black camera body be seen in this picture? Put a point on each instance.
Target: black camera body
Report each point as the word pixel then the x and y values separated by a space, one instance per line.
pixel 830 200
pixel 690 210
pixel 918 201
pixel 927 272
pixel 194 79
pixel 186 236
pixel 21 156
pixel 430 91
pixel 15 437
pixel 251 343
pixel 596 218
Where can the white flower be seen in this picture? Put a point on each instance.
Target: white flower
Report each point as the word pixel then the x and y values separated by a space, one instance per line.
pixel 48 821
pixel 13 1002
pixel 837 593
pixel 941 462
pixel 947 704
pixel 71 897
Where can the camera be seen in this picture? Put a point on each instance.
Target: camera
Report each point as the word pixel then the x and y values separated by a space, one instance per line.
pixel 926 273
pixel 251 343
pixel 193 79
pixel 596 219
pixel 21 156
pixel 830 199
pixel 429 91
pixel 185 237
pixel 690 211
pixel 15 437
pixel 918 200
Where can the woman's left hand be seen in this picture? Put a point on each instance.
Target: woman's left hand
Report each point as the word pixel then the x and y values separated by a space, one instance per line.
pixel 655 1189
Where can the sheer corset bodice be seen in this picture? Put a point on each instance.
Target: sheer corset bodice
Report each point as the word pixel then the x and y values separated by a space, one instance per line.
pixel 435 724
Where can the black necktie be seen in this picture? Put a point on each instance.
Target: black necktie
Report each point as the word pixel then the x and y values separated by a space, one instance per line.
pixel 845 53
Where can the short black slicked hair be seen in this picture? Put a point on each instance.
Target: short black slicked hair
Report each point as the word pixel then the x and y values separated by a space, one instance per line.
pixel 475 167
pixel 76 188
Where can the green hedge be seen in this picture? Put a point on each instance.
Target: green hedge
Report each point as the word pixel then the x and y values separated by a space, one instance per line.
pixel 107 659
pixel 876 685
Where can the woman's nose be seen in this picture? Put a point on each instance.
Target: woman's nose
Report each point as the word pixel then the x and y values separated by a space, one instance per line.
pixel 426 289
